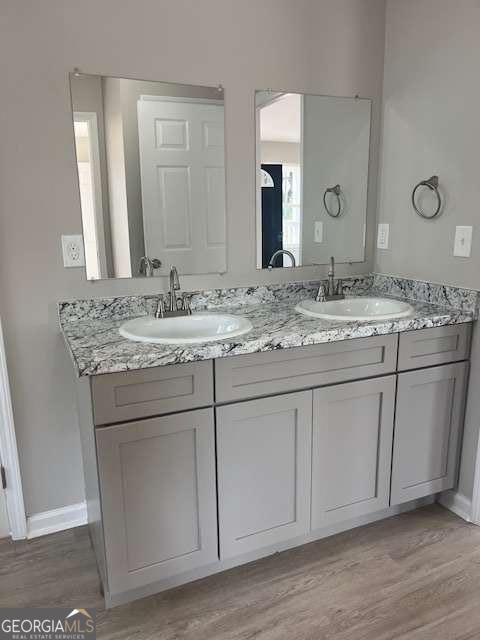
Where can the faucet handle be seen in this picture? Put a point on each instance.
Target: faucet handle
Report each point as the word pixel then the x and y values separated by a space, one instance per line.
pixel 145 266
pixel 321 296
pixel 160 311
pixel 186 304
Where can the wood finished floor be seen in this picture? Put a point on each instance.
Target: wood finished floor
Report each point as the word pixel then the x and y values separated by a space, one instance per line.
pixel 414 576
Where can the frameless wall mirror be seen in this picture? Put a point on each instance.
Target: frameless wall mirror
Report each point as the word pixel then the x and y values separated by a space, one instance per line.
pixel 151 170
pixel 312 178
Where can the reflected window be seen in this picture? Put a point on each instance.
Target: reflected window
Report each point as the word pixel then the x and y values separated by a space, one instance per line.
pixel 291 210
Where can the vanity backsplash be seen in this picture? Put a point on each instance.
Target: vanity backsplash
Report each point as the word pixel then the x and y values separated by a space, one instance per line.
pixel 128 306
pixel 118 308
pixel 430 292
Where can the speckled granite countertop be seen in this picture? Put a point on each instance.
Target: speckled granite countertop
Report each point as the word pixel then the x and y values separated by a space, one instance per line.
pixel 91 328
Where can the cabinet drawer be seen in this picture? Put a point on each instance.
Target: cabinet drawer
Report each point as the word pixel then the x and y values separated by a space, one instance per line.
pixel 261 374
pixel 118 397
pixel 427 347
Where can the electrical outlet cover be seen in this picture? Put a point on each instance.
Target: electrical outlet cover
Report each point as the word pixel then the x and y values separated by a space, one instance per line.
pixel 73 251
pixel 318 233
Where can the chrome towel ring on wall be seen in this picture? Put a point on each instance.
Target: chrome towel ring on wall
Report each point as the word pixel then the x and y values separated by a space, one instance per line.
pixel 432 184
pixel 336 190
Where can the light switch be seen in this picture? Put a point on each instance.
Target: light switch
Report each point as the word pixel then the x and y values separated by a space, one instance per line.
pixel 382 236
pixel 463 242
pixel 318 231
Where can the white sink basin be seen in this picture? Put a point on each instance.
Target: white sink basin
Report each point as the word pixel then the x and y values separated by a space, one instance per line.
pixel 197 328
pixel 361 308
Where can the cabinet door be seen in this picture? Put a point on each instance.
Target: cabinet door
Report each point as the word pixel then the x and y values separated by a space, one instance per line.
pixel 157 482
pixel 427 427
pixel 264 464
pixel 352 449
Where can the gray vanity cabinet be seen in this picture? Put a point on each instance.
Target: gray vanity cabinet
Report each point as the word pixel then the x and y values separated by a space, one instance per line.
pixel 429 418
pixel 157 484
pixel 264 463
pixel 352 449
pixel 205 465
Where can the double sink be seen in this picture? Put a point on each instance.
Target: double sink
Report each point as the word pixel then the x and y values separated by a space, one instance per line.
pixel 203 327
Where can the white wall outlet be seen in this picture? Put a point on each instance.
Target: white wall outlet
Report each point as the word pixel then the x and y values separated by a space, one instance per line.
pixel 382 236
pixel 73 251
pixel 318 233
pixel 463 242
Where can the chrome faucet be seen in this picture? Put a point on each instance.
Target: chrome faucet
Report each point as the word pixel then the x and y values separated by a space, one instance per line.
pixel 331 278
pixel 176 307
pixel 331 289
pixel 174 286
pixel 279 253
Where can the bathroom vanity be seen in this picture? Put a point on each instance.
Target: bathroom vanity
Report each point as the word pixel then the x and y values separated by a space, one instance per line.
pixel 198 466
pixel 282 424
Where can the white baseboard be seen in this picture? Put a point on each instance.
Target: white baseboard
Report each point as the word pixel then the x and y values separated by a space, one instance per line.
pixel 41 524
pixel 457 503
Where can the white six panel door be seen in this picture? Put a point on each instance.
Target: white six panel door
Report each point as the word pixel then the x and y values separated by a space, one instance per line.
pixel 182 163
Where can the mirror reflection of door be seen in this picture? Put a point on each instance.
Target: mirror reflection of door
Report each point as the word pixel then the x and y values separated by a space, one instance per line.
pixel 151 171
pixel 272 213
pixel 183 182
pixel 281 213
pixel 279 151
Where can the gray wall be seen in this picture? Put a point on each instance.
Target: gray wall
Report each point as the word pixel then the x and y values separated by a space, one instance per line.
pixel 244 45
pixel 336 135
pixel 431 125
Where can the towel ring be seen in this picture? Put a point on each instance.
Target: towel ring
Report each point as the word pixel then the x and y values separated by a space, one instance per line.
pixel 432 184
pixel 336 190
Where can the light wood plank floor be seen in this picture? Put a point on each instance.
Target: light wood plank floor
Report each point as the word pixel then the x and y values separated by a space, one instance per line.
pixel 414 576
